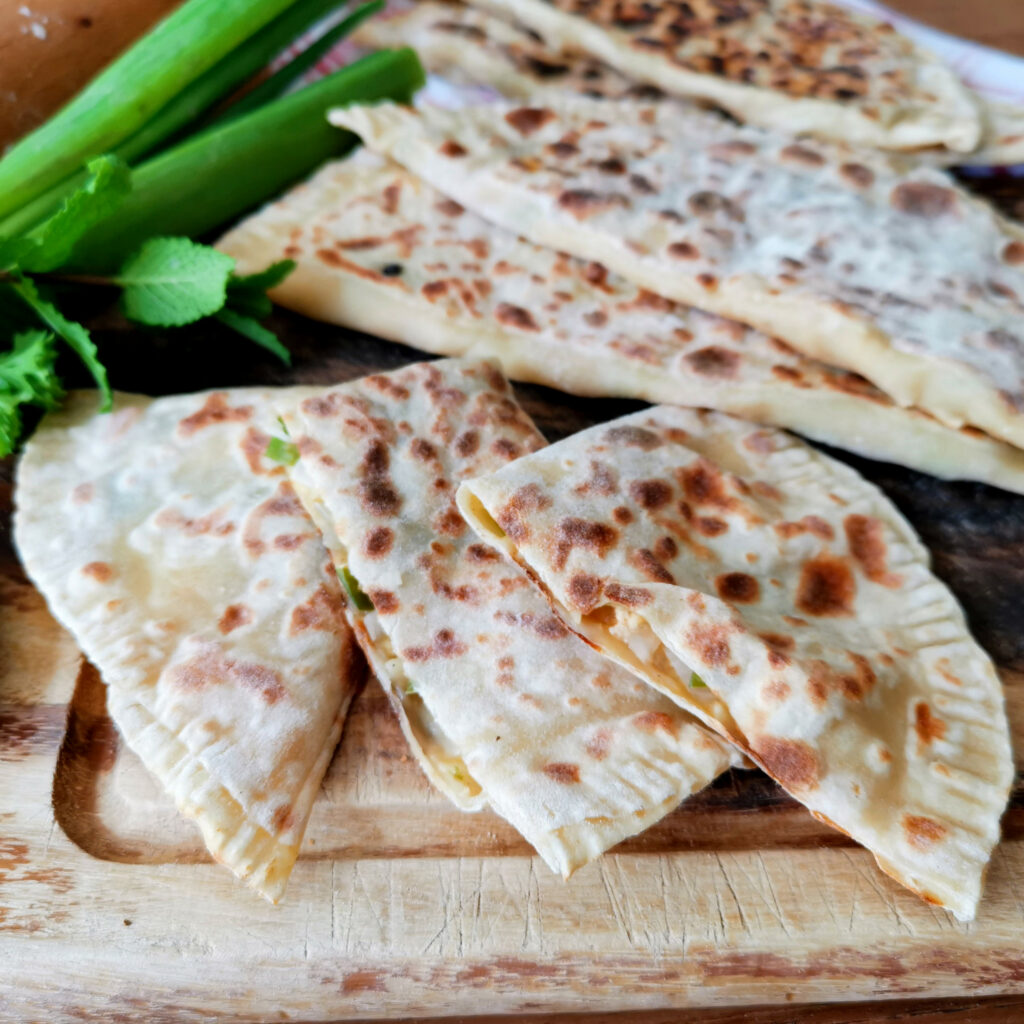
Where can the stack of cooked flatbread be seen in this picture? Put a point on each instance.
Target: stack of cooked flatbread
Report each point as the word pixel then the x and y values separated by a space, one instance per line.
pixel 607 244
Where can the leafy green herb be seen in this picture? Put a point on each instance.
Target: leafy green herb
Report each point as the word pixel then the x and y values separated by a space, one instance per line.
pixel 282 451
pixel 354 591
pixel 76 336
pixel 52 243
pixel 410 687
pixel 255 331
pixel 174 281
pixel 27 377
pixel 696 682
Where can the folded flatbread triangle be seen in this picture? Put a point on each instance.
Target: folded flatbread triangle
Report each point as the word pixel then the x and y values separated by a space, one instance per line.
pixel 853 258
pixel 793 65
pixel 177 554
pixel 679 541
pixel 380 250
pixel 502 705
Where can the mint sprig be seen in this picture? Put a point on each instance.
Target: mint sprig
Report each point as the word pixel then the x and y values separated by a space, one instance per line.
pixel 27 377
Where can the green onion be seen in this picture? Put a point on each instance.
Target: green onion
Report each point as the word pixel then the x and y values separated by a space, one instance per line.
pixel 354 591
pixel 696 682
pixel 410 687
pixel 278 82
pixel 282 451
pixel 221 173
pixel 124 97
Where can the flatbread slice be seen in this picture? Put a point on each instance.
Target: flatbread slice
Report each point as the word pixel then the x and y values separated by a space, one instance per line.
pixel 382 251
pixel 849 257
pixel 679 541
pixel 177 554
pixel 793 65
pixel 468 46
pixel 500 702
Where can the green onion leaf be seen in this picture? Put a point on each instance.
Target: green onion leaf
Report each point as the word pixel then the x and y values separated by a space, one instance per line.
pixel 410 687
pixel 696 682
pixel 282 451
pixel 354 591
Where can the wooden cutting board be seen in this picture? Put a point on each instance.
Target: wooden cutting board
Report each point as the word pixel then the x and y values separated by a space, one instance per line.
pixel 400 905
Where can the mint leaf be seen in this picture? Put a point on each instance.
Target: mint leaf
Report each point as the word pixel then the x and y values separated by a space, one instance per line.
pixel 54 240
pixel 247 326
pixel 174 281
pixel 73 333
pixel 27 377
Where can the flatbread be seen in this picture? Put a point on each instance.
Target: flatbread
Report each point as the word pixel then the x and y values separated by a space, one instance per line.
pixel 500 702
pixel 468 46
pixel 850 257
pixel 1003 141
pixel 679 541
pixel 792 65
pixel 180 559
pixel 379 250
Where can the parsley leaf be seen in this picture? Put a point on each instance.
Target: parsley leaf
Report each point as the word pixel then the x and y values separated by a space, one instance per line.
pixel 27 377
pixel 73 333
pixel 54 240
pixel 249 328
pixel 174 281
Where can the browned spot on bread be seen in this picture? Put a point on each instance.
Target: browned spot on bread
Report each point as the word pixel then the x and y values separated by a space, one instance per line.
pixel 321 611
pixel 920 199
pixel 376 492
pixel 926 725
pixel 683 251
pixel 730 150
pixel 210 668
pixel 289 541
pixel 703 484
pixel 583 203
pixel 235 615
pixel 386 386
pixel 1013 254
pixel 449 522
pixel 82 494
pixel 867 546
pixel 562 771
pixel 710 643
pixel 652 721
pixel 603 479
pixel 651 494
pixel 666 548
pixel 631 597
pixel 737 587
pixel 778 642
pixel 622 515
pixel 562 149
pixel 809 524
pixel 573 532
pixel 710 526
pixel 598 744
pixel 215 410
pixel 826 588
pixel 857 175
pixel 706 203
pixel 451 148
pixel 282 819
pixel 634 437
pixel 384 601
pixel 802 155
pixel 922 833
pixel 450 208
pixel 527 120
pixel 99 571
pixel 467 443
pixel 645 560
pixel 173 518
pixel 713 361
pixel 379 541
pixel 445 645
pixel 584 591
pixel 515 316
pixel 792 762
pixel 777 690
pixel 481 553
pixel 528 498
